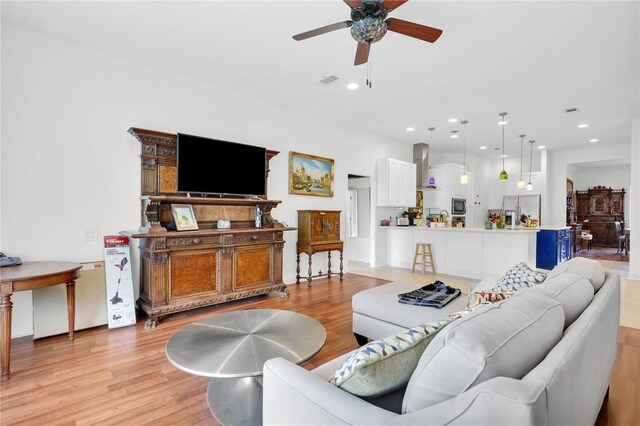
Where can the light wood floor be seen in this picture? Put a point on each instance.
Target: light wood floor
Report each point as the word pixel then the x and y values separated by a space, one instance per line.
pixel 122 377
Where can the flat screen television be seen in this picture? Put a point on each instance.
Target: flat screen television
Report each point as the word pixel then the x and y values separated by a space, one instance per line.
pixel 212 166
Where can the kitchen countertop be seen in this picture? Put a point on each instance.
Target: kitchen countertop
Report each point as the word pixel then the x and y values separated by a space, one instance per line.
pixel 454 229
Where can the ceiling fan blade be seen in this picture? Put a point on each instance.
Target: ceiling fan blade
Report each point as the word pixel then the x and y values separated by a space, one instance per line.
pixel 323 30
pixel 414 30
pixel 354 4
pixel 393 4
pixel 362 53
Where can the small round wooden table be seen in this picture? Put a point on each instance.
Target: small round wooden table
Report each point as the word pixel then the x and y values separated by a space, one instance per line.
pixel 232 348
pixel 31 276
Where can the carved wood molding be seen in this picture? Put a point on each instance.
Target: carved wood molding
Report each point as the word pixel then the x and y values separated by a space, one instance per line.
pixel 188 303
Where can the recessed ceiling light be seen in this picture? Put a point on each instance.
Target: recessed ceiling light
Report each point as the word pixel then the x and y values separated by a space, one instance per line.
pixel 454 136
pixel 582 126
pixel 453 120
pixel 593 140
pixel 483 147
pixel 410 129
pixel 352 86
pixel 503 156
pixel 502 122
pixel 541 147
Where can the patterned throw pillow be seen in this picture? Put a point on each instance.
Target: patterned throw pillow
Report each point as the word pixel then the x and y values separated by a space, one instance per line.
pixel 385 365
pixel 518 277
pixel 478 299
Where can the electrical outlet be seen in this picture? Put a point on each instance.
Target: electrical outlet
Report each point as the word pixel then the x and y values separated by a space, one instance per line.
pixel 90 234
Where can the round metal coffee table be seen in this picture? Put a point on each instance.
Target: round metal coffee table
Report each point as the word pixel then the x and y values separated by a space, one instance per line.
pixel 232 348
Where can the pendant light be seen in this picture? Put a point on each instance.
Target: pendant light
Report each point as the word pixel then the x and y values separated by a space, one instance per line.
pixel 521 181
pixel 464 177
pixel 432 180
pixel 503 174
pixel 530 185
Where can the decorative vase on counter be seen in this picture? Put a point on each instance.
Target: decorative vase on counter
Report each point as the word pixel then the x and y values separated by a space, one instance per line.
pixel 488 225
pixel 499 224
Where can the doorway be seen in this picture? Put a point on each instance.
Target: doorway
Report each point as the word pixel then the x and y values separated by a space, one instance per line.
pixel 613 174
pixel 358 247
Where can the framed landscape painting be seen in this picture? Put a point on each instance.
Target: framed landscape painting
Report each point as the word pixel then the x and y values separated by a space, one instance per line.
pixel 183 217
pixel 310 175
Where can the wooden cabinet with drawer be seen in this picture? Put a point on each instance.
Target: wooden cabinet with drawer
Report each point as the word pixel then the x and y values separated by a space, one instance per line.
pixel 318 231
pixel 181 272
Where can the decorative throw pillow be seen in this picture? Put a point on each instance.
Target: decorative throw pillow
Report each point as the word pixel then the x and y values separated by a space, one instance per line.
pixel 518 277
pixel 385 365
pixel 478 299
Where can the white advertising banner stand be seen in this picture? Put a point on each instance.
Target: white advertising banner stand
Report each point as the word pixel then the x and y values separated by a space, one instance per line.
pixel 121 307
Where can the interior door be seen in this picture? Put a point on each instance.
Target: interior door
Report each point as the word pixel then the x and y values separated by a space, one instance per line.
pixel 352 213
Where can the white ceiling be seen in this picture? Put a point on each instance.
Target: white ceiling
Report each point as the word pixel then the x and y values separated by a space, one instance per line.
pixel 530 59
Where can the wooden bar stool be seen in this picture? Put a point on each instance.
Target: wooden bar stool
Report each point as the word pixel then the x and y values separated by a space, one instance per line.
pixel 423 250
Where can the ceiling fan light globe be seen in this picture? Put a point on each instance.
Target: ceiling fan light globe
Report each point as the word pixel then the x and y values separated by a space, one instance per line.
pixel 368 30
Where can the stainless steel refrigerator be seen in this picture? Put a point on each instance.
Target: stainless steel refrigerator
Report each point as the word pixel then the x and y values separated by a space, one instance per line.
pixel 523 204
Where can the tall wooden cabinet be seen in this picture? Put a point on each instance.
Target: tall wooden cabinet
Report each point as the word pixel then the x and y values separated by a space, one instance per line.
pixel 318 231
pixel 598 209
pixel 185 270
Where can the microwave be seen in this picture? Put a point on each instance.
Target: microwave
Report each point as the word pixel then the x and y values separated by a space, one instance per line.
pixel 458 206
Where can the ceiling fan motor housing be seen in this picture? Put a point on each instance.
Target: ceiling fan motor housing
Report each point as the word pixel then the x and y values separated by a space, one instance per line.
pixel 368 30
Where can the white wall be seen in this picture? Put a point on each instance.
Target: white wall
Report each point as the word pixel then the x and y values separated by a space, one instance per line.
pixel 69 165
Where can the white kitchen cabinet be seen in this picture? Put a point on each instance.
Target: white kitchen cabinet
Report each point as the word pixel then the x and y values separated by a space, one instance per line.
pixel 396 183
pixel 447 176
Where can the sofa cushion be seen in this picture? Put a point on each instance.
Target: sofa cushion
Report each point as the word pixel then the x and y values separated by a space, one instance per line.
pixel 507 339
pixel 384 365
pixel 573 292
pixel 519 276
pixel 590 269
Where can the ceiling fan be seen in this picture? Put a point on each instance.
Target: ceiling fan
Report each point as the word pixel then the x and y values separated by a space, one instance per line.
pixel 369 24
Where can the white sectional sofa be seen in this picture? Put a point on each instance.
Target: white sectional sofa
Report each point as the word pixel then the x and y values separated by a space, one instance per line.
pixel 542 357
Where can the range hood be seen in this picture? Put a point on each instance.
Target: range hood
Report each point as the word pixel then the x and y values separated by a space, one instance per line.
pixel 421 160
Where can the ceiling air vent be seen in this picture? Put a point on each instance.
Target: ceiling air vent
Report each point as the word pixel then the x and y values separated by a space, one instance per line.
pixel 328 79
pixel 571 110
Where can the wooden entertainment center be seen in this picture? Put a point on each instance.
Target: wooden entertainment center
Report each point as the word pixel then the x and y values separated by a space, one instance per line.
pixel 183 270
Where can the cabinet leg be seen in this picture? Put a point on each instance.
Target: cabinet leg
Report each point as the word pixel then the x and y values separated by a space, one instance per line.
pixel 309 272
pixel 298 268
pixel 341 274
pixel 329 264
pixel 283 293
pixel 151 322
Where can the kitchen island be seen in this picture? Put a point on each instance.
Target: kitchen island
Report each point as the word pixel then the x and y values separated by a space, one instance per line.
pixel 465 252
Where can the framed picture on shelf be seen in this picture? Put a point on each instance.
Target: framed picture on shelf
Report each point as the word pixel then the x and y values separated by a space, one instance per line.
pixel 183 217
pixel 310 175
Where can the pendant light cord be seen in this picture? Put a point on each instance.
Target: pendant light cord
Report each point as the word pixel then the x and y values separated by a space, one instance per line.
pixel 530 159
pixel 503 144
pixel 521 149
